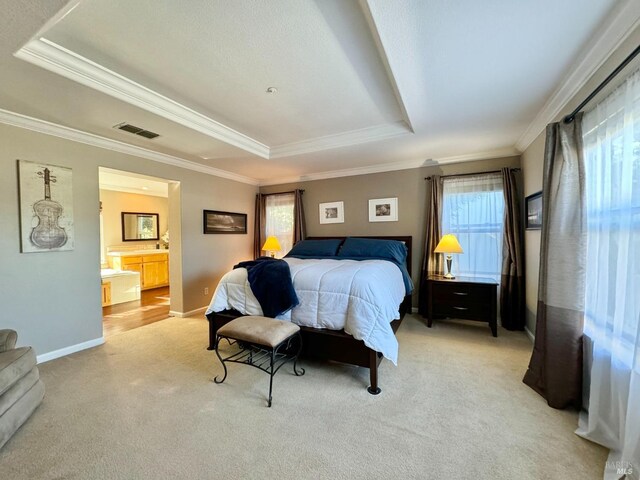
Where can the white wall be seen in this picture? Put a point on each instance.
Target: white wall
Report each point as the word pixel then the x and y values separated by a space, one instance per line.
pixel 533 160
pixel 53 299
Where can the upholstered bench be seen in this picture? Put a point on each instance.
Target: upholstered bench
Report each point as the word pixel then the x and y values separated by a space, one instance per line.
pixel 264 343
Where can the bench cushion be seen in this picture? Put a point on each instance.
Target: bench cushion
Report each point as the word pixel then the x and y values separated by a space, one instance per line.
pixel 259 330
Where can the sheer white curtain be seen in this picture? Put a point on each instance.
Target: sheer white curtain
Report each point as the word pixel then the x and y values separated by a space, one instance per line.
pixel 279 220
pixel 612 300
pixel 473 210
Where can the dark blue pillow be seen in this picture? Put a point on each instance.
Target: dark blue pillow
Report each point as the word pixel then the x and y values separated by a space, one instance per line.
pixel 373 248
pixel 316 248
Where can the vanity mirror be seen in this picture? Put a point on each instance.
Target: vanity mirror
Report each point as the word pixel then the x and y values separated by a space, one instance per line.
pixel 139 226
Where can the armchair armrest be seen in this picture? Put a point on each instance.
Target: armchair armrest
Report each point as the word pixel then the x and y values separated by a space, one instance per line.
pixel 8 340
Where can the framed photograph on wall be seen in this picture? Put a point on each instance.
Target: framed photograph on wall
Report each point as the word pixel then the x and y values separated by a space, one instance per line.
pixel 46 207
pixel 534 211
pixel 224 222
pixel 332 212
pixel 383 210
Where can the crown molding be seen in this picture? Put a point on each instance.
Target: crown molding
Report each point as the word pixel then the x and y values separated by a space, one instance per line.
pixel 395 166
pixel 348 172
pixel 55 58
pixel 48 128
pixel 470 157
pixel 344 139
pixel 622 22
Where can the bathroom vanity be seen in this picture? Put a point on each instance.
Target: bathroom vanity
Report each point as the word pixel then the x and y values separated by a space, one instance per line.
pixel 152 265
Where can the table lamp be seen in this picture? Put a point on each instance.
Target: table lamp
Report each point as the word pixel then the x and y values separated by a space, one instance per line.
pixel 272 245
pixel 448 245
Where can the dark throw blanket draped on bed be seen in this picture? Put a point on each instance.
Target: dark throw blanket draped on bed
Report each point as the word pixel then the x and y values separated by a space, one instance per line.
pixel 270 282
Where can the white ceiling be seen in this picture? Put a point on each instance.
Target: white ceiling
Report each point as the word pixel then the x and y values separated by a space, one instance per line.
pixel 120 181
pixel 362 85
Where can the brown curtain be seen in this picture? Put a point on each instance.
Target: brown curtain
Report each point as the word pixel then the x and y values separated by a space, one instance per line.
pixel 431 262
pixel 299 226
pixel 555 369
pixel 259 226
pixel 512 296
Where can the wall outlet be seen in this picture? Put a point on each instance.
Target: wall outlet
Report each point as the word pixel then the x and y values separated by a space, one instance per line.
pixel 206 290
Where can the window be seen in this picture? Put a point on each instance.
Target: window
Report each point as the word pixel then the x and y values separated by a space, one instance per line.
pixel 279 219
pixel 473 210
pixel 611 136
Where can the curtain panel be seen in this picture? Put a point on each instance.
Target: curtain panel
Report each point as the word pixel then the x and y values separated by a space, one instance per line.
pixel 258 226
pixel 299 225
pixel 555 369
pixel 432 263
pixel 512 292
pixel 612 303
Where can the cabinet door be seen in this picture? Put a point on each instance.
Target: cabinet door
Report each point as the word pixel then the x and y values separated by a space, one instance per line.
pixel 149 274
pixel 163 273
pixel 106 294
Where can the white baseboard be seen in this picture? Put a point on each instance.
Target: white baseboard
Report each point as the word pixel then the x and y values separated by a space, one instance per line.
pixel 45 357
pixel 191 313
pixel 414 309
pixel 531 336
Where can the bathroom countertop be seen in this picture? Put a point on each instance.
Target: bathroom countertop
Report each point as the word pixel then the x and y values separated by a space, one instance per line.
pixel 136 253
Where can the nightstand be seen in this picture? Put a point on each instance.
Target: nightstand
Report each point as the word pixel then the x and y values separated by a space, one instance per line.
pixel 463 297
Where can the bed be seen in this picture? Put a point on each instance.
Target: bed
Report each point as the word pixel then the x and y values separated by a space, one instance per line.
pixel 325 343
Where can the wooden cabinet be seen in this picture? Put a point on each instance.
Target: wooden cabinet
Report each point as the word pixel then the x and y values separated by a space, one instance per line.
pixel 465 298
pixel 153 268
pixel 106 294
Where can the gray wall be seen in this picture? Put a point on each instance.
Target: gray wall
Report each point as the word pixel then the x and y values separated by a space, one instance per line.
pixel 53 299
pixel 533 160
pixel 408 185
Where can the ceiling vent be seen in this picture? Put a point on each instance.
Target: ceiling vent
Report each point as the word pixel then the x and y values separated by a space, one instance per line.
pixel 127 127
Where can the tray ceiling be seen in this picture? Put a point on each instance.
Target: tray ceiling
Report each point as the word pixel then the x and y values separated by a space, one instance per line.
pixel 362 85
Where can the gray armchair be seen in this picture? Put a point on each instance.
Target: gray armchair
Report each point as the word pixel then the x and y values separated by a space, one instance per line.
pixel 21 390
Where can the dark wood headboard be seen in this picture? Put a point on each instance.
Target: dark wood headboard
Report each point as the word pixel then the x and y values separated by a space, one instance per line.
pixel 405 240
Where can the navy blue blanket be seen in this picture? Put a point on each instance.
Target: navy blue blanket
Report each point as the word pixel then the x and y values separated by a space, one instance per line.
pixel 270 282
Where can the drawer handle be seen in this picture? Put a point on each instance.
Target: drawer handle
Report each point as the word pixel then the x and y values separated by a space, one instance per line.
pixel 461 308
pixel 460 293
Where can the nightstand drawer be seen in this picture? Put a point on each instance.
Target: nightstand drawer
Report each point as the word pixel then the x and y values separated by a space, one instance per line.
pixel 470 310
pixel 456 292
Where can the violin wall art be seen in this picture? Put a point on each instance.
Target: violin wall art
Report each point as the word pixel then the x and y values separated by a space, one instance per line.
pixel 46 207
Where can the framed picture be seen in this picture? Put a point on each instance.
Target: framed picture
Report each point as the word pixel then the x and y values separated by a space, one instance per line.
pixel 332 212
pixel 224 222
pixel 383 210
pixel 46 207
pixel 534 211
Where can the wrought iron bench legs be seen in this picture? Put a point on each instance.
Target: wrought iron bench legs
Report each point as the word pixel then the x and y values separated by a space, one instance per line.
pixel 265 358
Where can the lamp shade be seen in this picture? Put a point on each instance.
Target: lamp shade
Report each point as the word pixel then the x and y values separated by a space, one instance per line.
pixel 272 245
pixel 448 244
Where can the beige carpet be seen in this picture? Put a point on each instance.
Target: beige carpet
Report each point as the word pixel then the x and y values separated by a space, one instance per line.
pixel 143 406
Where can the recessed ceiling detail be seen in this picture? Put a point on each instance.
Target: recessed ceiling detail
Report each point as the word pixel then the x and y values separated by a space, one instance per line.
pixel 362 85
pixel 58 59
pixel 329 104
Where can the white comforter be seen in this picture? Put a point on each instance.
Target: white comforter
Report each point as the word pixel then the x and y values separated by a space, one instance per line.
pixel 360 296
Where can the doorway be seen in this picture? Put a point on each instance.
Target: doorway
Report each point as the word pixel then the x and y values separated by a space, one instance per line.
pixel 135 249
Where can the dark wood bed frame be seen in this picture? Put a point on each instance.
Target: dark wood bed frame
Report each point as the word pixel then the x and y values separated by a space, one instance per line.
pixel 334 345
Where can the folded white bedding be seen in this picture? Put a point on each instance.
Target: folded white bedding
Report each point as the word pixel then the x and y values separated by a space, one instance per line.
pixel 361 297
